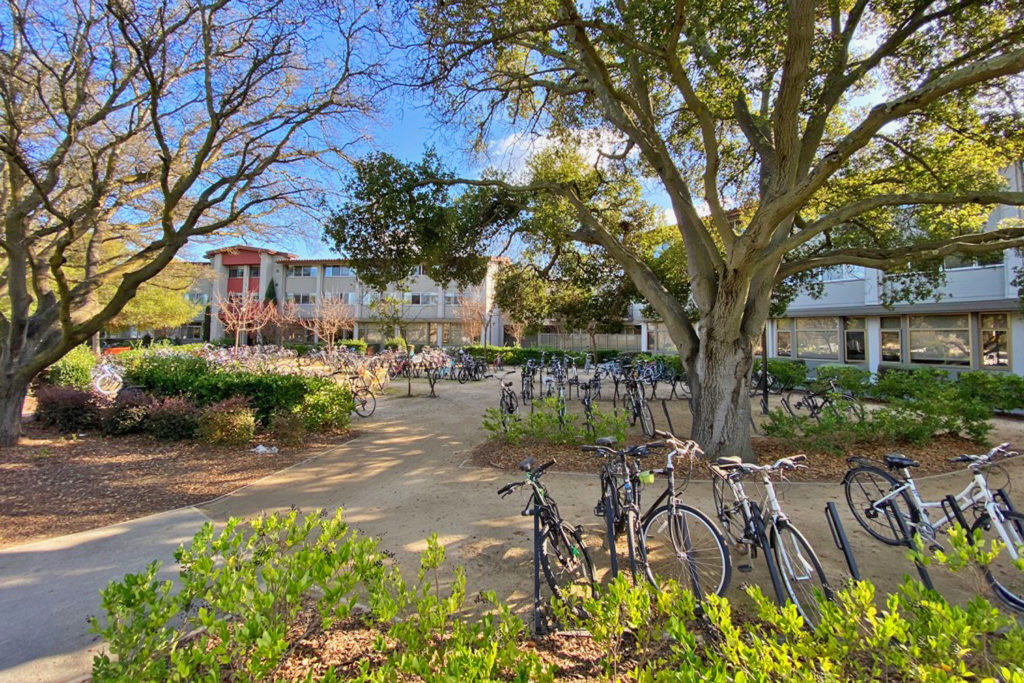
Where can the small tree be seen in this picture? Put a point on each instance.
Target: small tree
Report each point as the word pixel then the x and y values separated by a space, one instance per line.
pixel 473 317
pixel 244 314
pixel 328 318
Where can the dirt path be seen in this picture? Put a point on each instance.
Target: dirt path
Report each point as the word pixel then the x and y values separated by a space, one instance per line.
pixel 407 478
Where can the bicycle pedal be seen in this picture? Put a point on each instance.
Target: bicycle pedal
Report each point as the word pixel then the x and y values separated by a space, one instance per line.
pixel 745 568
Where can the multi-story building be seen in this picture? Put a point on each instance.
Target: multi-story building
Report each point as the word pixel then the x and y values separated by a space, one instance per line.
pixel 973 322
pixel 432 313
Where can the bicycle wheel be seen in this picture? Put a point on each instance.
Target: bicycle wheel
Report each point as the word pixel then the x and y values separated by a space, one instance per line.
pixel 107 383
pixel 631 409
pixel 1002 573
pixel 646 419
pixel 865 486
pixel 365 402
pixel 634 540
pixel 800 570
pixel 683 544
pixel 797 405
pixel 566 562
pixel 721 493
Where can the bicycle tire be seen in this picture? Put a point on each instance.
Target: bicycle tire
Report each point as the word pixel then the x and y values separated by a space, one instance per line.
pixel 796 404
pixel 637 554
pixel 365 403
pixel 646 419
pixel 803 577
pixel 1002 574
pixel 107 383
pixel 665 535
pixel 570 574
pixel 862 488
pixel 631 410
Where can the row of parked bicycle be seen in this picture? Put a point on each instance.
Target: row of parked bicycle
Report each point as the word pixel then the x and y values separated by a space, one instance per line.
pixel 671 539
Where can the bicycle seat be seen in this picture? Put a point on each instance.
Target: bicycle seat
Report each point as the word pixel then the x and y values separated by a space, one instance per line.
pixel 895 461
pixel 606 441
pixel 526 465
pixel 729 463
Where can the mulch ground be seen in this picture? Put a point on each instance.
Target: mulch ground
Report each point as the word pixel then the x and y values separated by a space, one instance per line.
pixel 53 484
pixel 822 466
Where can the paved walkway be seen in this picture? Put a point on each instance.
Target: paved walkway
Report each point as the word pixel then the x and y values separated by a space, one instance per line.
pixel 401 481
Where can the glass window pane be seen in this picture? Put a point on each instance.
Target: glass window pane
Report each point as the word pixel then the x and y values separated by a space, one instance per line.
pixel 891 352
pixel 995 349
pixel 942 347
pixel 783 343
pixel 939 322
pixel 817 323
pixel 993 321
pixel 855 346
pixel 855 323
pixel 817 343
pixel 890 323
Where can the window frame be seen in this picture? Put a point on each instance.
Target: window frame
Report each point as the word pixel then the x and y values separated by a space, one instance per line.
pixel 236 269
pixel 946 360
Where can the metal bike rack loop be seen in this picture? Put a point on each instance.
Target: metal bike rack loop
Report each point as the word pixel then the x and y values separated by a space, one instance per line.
pixel 835 525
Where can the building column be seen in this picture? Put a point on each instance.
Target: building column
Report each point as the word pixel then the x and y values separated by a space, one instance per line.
pixel 219 290
pixel 1017 343
pixel 643 337
pixel 355 330
pixel 873 342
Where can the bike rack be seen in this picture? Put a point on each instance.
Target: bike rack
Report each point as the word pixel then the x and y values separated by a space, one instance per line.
pixel 908 541
pixel 432 376
pixel 835 525
pixel 1004 500
pixel 952 507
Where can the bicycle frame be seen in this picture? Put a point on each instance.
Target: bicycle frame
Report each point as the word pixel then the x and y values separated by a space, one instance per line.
pixel 976 494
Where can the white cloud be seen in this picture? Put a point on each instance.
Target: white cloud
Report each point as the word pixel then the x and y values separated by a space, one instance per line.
pixel 511 152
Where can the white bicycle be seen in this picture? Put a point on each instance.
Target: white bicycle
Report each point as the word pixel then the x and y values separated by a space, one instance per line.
pixel 106 378
pixel 876 496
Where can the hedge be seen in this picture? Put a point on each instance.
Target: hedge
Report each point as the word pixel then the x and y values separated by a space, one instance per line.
pixel 204 383
pixel 74 369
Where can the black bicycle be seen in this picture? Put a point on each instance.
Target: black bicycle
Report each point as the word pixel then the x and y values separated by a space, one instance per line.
pixel 508 403
pixel 637 407
pixel 833 401
pixel 564 556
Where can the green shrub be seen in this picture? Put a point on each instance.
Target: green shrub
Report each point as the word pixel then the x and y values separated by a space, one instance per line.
pixel 128 413
pixel 790 373
pixel 849 377
pixel 228 423
pixel 543 424
pixel 235 617
pixel 173 419
pixel 74 369
pixel 329 406
pixel 288 428
pixel 68 409
pixel 165 375
pixel 997 390
pixel 266 393
pixel 397 343
pixel 358 345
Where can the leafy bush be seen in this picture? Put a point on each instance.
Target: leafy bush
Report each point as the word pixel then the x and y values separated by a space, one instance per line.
pixel 288 428
pixel 790 373
pixel 329 406
pixel 128 413
pixel 228 423
pixel 74 369
pixel 849 377
pixel 544 425
pixel 516 355
pixel 165 375
pixel 266 393
pixel 173 419
pixel 358 345
pixel 241 591
pixel 997 390
pixel 66 408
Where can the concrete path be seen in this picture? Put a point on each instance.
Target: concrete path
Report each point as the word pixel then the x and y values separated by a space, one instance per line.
pixel 402 480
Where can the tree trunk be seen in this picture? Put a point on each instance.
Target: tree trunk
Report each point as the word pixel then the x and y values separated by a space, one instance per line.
pixel 12 400
pixel 721 404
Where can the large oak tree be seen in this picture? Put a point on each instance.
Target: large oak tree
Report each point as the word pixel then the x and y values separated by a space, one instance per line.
pixel 149 125
pixel 787 137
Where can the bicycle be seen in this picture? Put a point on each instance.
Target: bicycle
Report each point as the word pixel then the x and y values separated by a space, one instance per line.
pixel 795 570
pixel 833 401
pixel 637 407
pixel 875 496
pixel 508 403
pixel 106 378
pixel 681 542
pixel 563 555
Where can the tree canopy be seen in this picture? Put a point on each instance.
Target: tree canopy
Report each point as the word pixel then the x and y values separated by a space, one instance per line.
pixel 787 137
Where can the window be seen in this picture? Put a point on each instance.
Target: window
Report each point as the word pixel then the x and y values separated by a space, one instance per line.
pixel 338 271
pixel 783 337
pixel 303 298
pixel 892 340
pixel 416 270
pixel 817 338
pixel 197 297
pixel 191 331
pixel 954 261
pixel 940 339
pixel 452 298
pixel 370 297
pixel 301 271
pixel 854 336
pixel 349 298
pixel 236 271
pixel 995 340
pixel 450 332
pixel 840 273
pixel 254 271
pixel 420 298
